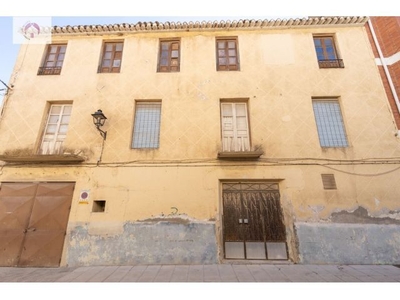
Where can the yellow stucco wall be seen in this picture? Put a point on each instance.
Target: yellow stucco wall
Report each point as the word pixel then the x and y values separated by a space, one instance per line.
pixel 278 88
pixel 278 77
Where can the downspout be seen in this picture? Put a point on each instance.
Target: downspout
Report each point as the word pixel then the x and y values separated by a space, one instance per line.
pixel 385 68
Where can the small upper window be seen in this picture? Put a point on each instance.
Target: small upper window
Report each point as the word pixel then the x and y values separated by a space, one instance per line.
pixel 169 56
pixel 227 54
pixel 112 57
pixel 326 52
pixel 53 60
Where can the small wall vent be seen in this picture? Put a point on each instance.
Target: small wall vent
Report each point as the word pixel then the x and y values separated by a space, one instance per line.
pixel 328 181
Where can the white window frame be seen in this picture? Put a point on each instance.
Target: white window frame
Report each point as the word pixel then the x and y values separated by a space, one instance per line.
pixel 55 131
pixel 235 131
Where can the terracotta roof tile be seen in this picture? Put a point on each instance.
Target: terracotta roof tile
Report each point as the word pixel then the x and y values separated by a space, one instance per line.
pixel 212 25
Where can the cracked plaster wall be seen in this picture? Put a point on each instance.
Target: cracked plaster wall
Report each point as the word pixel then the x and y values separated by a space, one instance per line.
pixel 172 241
pixel 352 237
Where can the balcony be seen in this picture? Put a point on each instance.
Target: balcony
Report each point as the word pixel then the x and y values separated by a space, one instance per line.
pixel 330 63
pixel 42 159
pixel 28 155
pixel 240 155
pixel 49 71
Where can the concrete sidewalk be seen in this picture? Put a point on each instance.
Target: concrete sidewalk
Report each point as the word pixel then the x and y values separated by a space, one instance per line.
pixel 206 273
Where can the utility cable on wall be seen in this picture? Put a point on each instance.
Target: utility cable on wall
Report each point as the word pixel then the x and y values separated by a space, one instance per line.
pixel 217 163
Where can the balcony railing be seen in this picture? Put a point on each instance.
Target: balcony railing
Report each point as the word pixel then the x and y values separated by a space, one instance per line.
pixel 330 63
pixel 49 71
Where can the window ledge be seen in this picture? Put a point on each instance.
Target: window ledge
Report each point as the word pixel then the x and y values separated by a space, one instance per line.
pixel 61 159
pixel 240 154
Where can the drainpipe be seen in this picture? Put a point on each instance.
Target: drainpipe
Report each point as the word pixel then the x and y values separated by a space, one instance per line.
pixel 385 68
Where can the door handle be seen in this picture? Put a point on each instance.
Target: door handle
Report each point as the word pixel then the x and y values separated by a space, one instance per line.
pixel 30 229
pixel 240 221
pixel 246 221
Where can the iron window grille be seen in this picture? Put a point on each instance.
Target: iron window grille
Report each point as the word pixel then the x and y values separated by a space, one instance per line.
pixel 146 131
pixel 330 126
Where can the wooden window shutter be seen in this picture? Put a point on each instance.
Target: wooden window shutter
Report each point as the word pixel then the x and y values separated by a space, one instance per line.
pixel 56 129
pixel 235 129
pixel 227 127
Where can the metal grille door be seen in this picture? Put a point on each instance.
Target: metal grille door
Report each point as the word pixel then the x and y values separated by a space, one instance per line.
pixel 253 225
pixel 34 219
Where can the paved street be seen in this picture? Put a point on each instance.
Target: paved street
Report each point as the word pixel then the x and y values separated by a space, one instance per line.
pixel 206 273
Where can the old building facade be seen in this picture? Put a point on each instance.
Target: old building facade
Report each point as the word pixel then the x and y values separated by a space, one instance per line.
pixel 246 140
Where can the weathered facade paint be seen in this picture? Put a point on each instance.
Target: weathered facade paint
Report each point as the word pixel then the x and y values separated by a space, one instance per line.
pixel 170 241
pixel 348 243
pixel 181 180
pixel 360 215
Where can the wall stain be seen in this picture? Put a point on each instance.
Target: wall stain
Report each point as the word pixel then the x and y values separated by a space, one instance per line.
pixel 144 243
pixel 361 216
pixel 167 220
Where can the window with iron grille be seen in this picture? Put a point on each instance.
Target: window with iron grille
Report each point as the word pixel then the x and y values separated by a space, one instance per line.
pixel 326 52
pixel 227 54
pixel 330 126
pixel 169 56
pixel 111 57
pixel 146 130
pixel 53 60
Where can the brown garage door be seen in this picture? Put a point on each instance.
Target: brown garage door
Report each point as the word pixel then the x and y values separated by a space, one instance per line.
pixel 33 222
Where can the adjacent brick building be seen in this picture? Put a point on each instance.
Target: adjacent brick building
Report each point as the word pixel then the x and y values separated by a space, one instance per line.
pixel 384 35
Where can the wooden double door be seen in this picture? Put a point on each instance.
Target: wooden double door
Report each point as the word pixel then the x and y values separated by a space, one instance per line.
pixel 33 222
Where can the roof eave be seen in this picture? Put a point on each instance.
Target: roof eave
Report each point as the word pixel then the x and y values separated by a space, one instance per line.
pixel 143 27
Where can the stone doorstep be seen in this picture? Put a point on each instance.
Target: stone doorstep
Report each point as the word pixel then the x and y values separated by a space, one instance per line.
pixel 256 262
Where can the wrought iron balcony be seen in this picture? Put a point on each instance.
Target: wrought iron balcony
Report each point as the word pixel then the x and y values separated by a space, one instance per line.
pixel 49 71
pixel 330 63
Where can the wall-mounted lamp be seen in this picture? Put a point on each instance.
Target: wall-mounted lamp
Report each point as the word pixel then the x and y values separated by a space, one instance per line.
pixel 99 119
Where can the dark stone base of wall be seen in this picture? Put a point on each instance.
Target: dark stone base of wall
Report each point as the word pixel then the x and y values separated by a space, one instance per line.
pixel 348 243
pixel 144 243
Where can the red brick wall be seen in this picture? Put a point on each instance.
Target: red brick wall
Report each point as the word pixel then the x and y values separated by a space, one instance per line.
pixel 387 30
